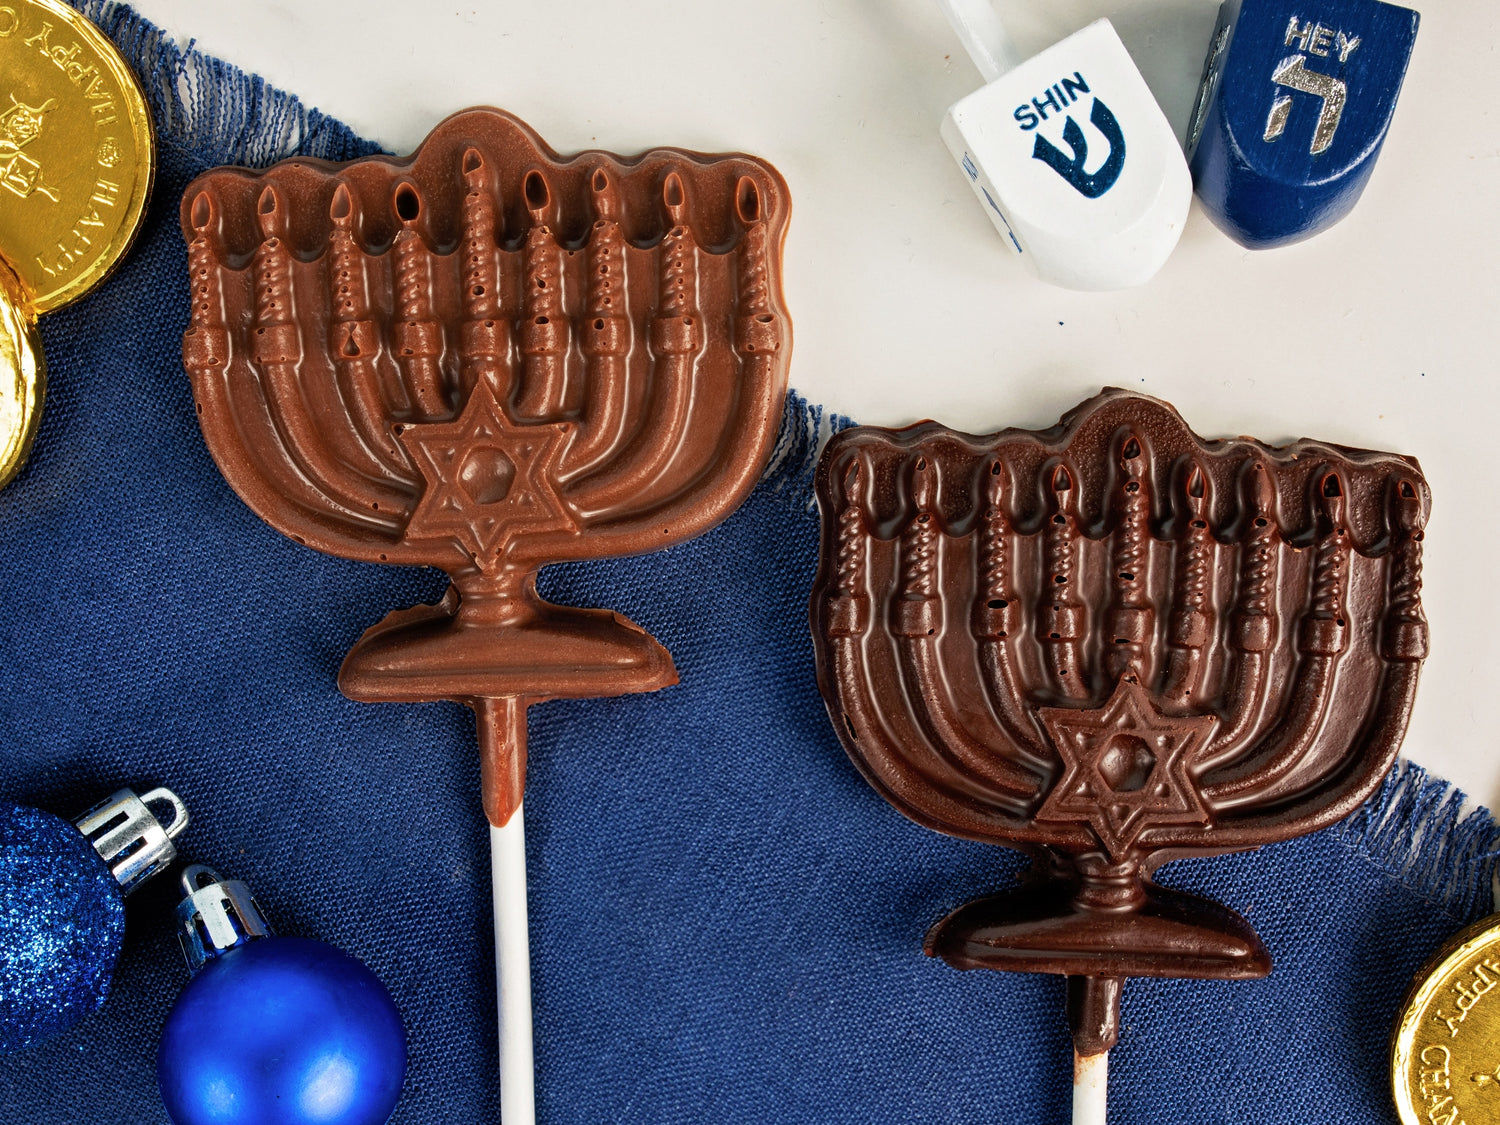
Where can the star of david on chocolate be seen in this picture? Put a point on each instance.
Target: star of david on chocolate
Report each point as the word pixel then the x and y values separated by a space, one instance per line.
pixel 1124 767
pixel 488 480
pixel 487 357
pixel 1109 643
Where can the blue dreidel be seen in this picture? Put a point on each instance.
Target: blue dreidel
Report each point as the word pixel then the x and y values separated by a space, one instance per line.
pixel 1294 105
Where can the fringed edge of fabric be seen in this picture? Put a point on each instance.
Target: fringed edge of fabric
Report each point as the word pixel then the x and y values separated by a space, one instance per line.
pixel 199 101
pixel 794 457
pixel 1425 835
pixel 805 430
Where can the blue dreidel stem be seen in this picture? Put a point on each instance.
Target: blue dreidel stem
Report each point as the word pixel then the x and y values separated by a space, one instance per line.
pixel 1292 111
pixel 62 907
pixel 273 1030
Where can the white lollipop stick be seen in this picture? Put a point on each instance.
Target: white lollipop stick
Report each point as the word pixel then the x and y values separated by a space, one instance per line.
pixel 1069 154
pixel 513 971
pixel 1090 1088
pixel 1094 1019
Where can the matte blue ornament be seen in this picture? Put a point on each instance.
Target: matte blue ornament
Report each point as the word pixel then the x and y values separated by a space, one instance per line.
pixel 273 1030
pixel 62 908
pixel 1293 108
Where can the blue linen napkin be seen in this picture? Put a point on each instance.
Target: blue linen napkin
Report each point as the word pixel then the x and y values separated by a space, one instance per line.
pixel 726 921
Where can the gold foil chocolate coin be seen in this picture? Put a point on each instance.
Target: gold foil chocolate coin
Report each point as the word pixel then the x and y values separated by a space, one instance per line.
pixel 76 152
pixel 77 158
pixel 22 383
pixel 1445 1056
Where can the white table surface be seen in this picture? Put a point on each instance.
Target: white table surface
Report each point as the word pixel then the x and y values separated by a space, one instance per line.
pixel 1377 333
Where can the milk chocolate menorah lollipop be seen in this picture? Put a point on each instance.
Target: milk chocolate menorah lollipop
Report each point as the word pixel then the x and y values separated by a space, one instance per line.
pixel 487 358
pixel 1110 644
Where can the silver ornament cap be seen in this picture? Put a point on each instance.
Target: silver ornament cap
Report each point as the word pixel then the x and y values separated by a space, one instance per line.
pixel 130 838
pixel 216 916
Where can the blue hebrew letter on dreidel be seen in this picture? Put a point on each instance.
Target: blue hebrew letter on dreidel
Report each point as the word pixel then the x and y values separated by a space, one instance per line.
pixel 1293 108
pixel 1091 184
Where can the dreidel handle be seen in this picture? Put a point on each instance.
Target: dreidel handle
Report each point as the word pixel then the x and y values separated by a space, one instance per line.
pixel 980 30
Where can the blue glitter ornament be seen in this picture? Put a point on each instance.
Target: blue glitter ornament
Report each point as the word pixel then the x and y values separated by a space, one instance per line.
pixel 62 911
pixel 273 1030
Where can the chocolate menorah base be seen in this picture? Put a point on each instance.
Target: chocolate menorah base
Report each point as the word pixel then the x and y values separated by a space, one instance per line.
pixel 1043 929
pixel 499 654
pixel 527 649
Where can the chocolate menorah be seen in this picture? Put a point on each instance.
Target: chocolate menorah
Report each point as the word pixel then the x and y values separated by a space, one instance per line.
pixel 486 358
pixel 1111 644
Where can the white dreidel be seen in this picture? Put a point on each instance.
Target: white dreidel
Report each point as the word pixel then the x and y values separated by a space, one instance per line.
pixel 1069 154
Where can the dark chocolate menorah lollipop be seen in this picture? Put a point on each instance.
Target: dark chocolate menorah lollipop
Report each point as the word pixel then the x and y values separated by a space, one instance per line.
pixel 487 358
pixel 1110 644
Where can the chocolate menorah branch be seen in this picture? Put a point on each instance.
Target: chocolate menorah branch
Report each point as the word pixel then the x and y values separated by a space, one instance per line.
pixel 1111 644
pixel 486 357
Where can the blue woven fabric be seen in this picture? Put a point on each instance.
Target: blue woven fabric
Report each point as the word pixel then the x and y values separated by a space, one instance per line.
pixel 726 921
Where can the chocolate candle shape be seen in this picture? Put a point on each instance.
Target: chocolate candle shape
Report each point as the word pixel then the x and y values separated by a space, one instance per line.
pixel 1110 644
pixel 486 357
